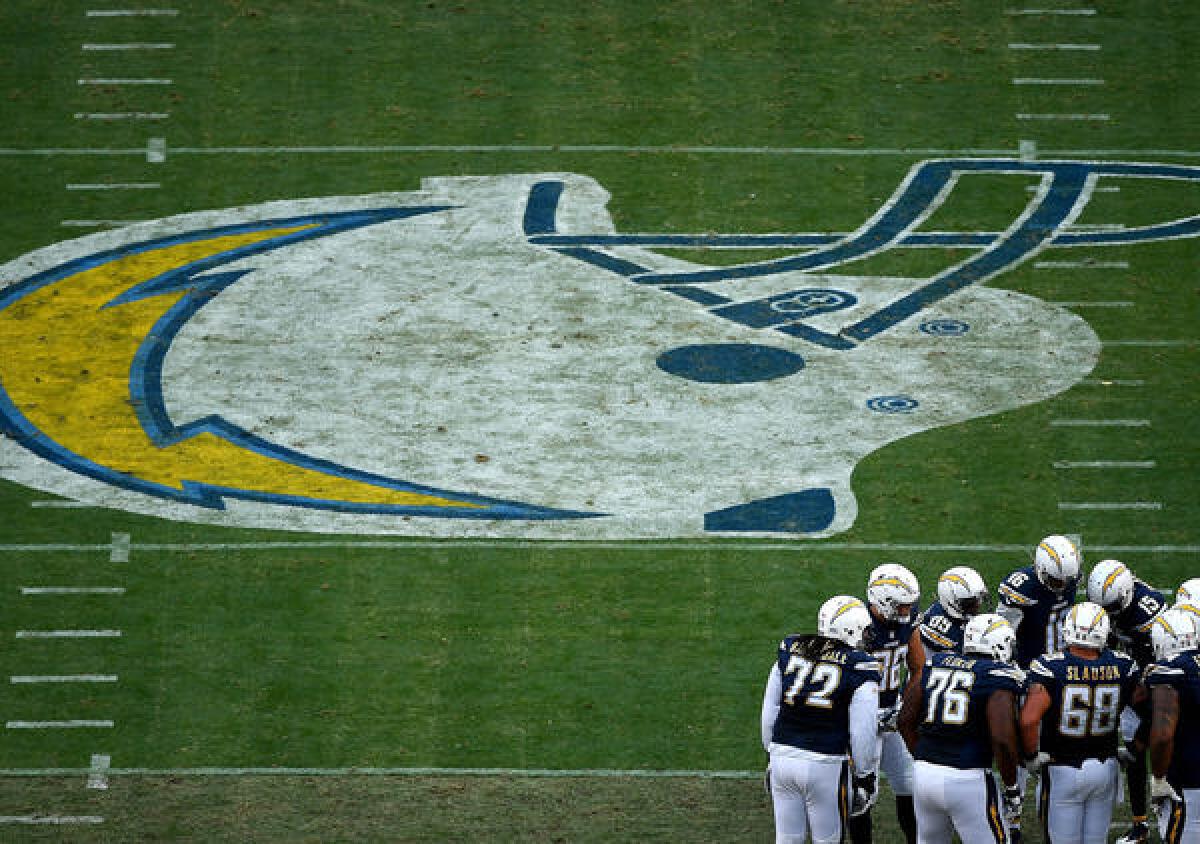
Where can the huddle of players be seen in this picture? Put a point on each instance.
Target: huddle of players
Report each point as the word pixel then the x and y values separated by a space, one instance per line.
pixel 1042 686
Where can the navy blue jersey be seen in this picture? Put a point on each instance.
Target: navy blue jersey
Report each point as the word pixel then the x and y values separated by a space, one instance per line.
pixel 1040 629
pixel 1086 696
pixel 1131 626
pixel 888 643
pixel 1183 675
pixel 941 631
pixel 814 713
pixel 954 728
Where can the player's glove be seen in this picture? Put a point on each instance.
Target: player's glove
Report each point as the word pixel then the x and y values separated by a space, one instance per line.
pixel 1036 762
pixel 888 718
pixel 866 789
pixel 1162 796
pixel 1013 799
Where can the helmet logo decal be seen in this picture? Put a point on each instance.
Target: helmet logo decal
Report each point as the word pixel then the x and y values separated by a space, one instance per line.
pixel 489 357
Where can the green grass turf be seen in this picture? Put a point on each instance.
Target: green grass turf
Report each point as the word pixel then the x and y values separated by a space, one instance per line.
pixel 542 656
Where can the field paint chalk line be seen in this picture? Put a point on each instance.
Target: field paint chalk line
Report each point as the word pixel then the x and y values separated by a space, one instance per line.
pixel 607 773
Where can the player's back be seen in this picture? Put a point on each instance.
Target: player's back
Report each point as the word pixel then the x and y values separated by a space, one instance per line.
pixel 1086 696
pixel 1131 626
pixel 1182 674
pixel 941 631
pixel 954 728
pixel 818 684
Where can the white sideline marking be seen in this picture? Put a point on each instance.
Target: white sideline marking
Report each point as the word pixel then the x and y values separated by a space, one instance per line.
pixel 1093 304
pixel 1113 382
pixel 1100 423
pixel 136 45
pixel 1104 464
pixel 1110 505
pixel 1029 116
pixel 583 545
pixel 61 504
pixel 72 590
pixel 130 13
pixel 30 679
pixel 98 777
pixel 120 548
pixel 68 634
pixel 60 725
pixel 116 186
pixel 599 148
pixel 1050 12
pixel 1038 80
pixel 1076 265
pixel 89 223
pixel 50 820
pixel 1027 46
pixel 639 773
pixel 126 81
pixel 122 115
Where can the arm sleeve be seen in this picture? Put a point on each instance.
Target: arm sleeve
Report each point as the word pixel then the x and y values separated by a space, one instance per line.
pixel 770 705
pixel 864 728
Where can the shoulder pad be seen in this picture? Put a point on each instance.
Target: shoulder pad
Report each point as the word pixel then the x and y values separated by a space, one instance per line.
pixel 1040 667
pixel 1010 672
pixel 1010 595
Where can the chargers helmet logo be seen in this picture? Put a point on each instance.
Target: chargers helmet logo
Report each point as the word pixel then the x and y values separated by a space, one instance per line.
pixel 489 357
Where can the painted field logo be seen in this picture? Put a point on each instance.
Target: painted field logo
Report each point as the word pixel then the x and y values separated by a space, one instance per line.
pixel 488 357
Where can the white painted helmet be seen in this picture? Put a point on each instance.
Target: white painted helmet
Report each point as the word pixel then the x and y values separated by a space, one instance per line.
pixel 1189 592
pixel 1111 585
pixel 962 592
pixel 891 587
pixel 1086 626
pixel 845 618
pixel 1173 632
pixel 1056 562
pixel 991 635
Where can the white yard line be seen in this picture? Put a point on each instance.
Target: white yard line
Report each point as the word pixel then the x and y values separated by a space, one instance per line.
pixel 1039 12
pixel 606 773
pixel 122 115
pixel 136 45
pixel 126 81
pixel 1110 505
pixel 1028 46
pixel 68 634
pixel 1100 117
pixel 1041 80
pixel 50 820
pixel 35 679
pixel 75 724
pixel 1104 464
pixel 72 590
pixel 1081 265
pixel 1100 423
pixel 131 13
pixel 115 186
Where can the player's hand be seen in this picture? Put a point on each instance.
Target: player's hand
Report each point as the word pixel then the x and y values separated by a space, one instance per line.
pixel 866 789
pixel 1013 800
pixel 1036 762
pixel 1125 755
pixel 888 718
pixel 1162 796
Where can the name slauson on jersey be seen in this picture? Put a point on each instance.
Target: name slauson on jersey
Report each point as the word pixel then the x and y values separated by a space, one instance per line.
pixel 1086 699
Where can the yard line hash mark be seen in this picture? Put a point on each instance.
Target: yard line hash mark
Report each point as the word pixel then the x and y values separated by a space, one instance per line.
pixel 33 679
pixel 74 724
pixel 1028 46
pixel 126 81
pixel 1038 80
pixel 72 590
pixel 50 820
pixel 130 46
pixel 122 115
pixel 1110 505
pixel 115 186
pixel 68 634
pixel 1104 464
pixel 1100 423
pixel 131 13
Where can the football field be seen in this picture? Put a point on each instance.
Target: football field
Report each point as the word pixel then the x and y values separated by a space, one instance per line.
pixel 420 421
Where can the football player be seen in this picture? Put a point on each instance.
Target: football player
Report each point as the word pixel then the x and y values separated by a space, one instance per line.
pixel 1069 727
pixel 893 594
pixel 1132 607
pixel 822 703
pixel 1035 598
pixel 1174 684
pixel 1187 596
pixel 960 719
pixel 961 595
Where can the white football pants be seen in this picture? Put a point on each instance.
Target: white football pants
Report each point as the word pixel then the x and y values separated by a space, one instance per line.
pixel 809 792
pixel 896 763
pixel 951 800
pixel 1076 804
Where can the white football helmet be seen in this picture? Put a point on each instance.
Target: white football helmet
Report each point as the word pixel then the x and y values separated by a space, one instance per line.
pixel 1175 631
pixel 1189 592
pixel 1086 626
pixel 988 634
pixel 1111 585
pixel 893 591
pixel 845 618
pixel 1056 562
pixel 962 592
